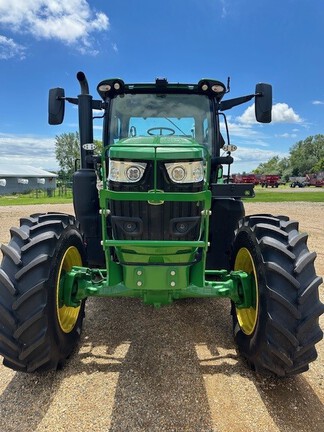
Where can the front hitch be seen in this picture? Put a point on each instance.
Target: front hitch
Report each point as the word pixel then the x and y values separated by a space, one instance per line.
pixel 82 282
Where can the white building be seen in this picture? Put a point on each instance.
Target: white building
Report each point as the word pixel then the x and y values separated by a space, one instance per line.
pixel 24 178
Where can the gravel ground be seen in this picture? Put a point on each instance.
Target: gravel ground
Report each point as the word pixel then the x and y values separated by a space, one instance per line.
pixel 169 369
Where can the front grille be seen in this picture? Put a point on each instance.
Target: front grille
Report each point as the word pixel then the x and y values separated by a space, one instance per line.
pixel 143 221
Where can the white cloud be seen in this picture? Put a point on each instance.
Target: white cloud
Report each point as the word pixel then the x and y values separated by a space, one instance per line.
pixel 246 159
pixel 317 102
pixel 224 8
pixel 30 150
pixel 281 113
pixel 241 130
pixel 42 162
pixel 286 135
pixel 255 155
pixel 71 22
pixel 9 49
pixel 251 146
pixel 244 134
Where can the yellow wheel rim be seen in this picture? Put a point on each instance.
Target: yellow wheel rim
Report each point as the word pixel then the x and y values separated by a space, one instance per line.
pixel 247 317
pixel 67 315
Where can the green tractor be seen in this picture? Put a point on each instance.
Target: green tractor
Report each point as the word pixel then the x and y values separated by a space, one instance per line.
pixel 156 219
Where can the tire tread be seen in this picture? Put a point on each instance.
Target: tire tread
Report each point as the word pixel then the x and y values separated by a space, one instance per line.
pixel 27 340
pixel 290 327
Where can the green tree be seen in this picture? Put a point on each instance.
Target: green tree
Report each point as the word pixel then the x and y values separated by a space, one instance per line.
pixel 285 169
pixel 304 155
pixel 272 166
pixel 264 167
pixel 275 165
pixel 319 166
pixel 67 150
pixel 99 146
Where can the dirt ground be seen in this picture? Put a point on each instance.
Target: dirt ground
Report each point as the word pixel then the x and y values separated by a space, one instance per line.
pixel 169 369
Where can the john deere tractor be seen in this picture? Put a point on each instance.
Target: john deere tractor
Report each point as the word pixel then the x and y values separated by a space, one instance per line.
pixel 156 218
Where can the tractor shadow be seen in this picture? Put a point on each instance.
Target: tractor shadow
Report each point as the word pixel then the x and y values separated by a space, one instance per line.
pixel 26 400
pixel 160 385
pixel 292 403
pixel 162 372
pixel 160 360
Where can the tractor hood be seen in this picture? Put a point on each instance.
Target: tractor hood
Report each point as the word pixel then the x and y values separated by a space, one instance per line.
pixel 158 147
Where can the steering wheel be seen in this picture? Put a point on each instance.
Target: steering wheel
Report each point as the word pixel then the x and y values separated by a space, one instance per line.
pixel 161 128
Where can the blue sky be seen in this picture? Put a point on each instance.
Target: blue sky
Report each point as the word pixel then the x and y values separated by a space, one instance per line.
pixel 44 43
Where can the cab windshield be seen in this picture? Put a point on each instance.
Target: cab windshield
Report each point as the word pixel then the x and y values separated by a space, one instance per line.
pixel 144 115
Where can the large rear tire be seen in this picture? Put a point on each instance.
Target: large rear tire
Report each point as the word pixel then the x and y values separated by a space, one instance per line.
pixel 279 332
pixel 37 331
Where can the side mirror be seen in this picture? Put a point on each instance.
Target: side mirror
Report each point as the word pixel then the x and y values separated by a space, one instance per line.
pixel 263 102
pixel 56 106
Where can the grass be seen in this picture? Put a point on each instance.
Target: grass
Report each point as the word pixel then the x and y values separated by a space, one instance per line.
pixel 282 194
pixel 33 200
pixel 286 194
pixel 286 197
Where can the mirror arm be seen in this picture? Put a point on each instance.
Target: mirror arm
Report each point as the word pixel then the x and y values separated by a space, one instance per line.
pixel 230 103
pixel 69 99
pixel 96 104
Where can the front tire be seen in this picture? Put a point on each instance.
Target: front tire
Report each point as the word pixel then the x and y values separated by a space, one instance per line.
pixel 37 331
pixel 279 332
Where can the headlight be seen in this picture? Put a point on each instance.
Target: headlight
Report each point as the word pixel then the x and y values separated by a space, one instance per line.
pixel 185 172
pixel 126 172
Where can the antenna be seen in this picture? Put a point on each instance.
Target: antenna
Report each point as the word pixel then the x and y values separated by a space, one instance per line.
pixel 228 84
